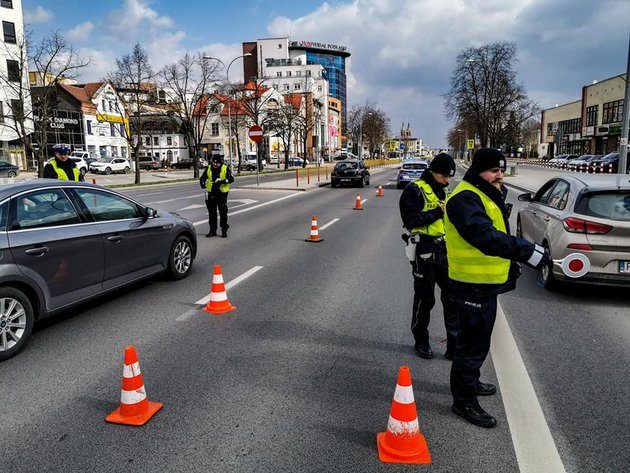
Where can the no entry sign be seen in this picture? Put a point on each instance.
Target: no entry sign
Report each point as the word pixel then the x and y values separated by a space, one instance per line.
pixel 255 133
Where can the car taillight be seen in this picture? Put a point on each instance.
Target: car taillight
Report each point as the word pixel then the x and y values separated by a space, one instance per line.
pixel 580 246
pixel 577 225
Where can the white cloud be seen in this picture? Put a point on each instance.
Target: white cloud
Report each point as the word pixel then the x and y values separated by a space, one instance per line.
pixel 134 17
pixel 81 32
pixel 102 65
pixel 38 16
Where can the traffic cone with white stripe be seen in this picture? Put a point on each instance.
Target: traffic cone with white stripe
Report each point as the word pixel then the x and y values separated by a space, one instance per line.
pixel 403 442
pixel 135 408
pixel 219 303
pixel 379 192
pixel 357 204
pixel 314 231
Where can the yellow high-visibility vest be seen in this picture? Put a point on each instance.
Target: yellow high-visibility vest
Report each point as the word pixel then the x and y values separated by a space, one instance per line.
pixel 431 201
pixel 61 174
pixel 222 175
pixel 465 262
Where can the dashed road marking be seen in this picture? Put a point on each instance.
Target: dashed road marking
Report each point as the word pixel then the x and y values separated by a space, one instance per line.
pixel 534 446
pixel 332 222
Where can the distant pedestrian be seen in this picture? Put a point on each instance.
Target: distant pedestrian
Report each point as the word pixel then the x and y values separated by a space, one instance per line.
pixel 482 259
pixel 216 180
pixel 61 166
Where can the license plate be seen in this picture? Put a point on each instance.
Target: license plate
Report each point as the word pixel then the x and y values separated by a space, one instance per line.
pixel 624 266
pixel 345 179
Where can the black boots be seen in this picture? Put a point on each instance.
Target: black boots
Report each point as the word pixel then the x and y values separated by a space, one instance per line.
pixel 423 350
pixel 211 234
pixel 486 389
pixel 475 415
pixel 224 231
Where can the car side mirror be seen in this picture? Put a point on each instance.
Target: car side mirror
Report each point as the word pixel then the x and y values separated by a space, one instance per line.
pixel 149 213
pixel 527 197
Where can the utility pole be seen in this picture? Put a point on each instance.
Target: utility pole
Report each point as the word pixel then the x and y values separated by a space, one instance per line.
pixel 623 139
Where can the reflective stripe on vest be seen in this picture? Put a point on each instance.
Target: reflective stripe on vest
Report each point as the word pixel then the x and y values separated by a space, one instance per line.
pixel 61 174
pixel 465 262
pixel 431 201
pixel 222 175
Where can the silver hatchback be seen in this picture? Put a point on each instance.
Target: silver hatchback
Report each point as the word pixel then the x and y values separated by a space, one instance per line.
pixel 62 243
pixel 588 214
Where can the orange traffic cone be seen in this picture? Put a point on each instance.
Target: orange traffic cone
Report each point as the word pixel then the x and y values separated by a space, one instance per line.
pixel 134 409
pixel 357 205
pixel 403 442
pixel 219 303
pixel 314 231
pixel 379 192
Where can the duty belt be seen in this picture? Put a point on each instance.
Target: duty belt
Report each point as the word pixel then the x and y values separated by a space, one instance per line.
pixel 417 238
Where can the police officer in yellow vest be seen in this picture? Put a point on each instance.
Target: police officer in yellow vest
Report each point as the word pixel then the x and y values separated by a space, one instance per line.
pixel 61 166
pixel 216 180
pixel 422 210
pixel 482 263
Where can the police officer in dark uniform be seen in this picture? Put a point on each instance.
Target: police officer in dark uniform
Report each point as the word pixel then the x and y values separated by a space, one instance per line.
pixel 482 258
pixel 422 211
pixel 216 180
pixel 61 166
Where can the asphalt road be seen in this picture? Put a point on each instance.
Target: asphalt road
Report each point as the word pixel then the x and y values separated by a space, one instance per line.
pixel 301 376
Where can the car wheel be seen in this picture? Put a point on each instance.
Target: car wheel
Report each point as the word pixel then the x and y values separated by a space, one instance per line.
pixel 16 321
pixel 361 183
pixel 181 258
pixel 126 170
pixel 333 183
pixel 367 183
pixel 11 174
pixel 108 170
pixel 546 274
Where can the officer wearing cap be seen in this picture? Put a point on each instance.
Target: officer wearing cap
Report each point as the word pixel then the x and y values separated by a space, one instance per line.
pixel 61 166
pixel 422 210
pixel 482 258
pixel 216 180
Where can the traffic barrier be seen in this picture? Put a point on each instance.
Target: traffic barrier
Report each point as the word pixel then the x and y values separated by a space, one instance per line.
pixel 357 204
pixel 610 167
pixel 402 442
pixel 314 237
pixel 135 408
pixel 379 192
pixel 218 303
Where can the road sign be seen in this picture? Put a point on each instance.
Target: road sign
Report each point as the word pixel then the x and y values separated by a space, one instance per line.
pixel 470 144
pixel 255 133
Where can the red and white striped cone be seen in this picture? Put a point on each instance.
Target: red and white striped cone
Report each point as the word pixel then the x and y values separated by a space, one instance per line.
pixel 135 408
pixel 314 237
pixel 218 303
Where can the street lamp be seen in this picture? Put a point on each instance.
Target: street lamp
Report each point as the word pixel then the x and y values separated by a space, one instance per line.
pixel 227 78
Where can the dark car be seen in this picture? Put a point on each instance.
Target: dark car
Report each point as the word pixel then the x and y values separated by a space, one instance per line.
pixel 182 164
pixel 65 242
pixel 8 169
pixel 609 162
pixel 351 171
pixel 148 163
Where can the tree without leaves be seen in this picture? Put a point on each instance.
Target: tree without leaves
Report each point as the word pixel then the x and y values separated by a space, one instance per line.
pixel 307 122
pixel 133 79
pixel 370 122
pixel 54 60
pixel 485 92
pixel 283 121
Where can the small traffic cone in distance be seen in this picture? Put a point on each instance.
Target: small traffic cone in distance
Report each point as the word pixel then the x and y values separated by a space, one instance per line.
pixel 314 237
pixel 357 204
pixel 379 192
pixel 403 442
pixel 135 408
pixel 218 303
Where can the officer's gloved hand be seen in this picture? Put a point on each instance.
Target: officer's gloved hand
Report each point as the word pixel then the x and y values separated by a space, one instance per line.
pixel 539 258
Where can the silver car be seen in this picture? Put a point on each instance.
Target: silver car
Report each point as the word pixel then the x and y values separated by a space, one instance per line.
pixel 63 242
pixel 588 214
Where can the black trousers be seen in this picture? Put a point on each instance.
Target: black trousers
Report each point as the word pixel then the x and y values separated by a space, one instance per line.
pixel 214 201
pixel 476 316
pixel 426 274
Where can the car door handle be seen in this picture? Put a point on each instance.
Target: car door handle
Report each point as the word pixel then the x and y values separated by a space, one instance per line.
pixel 114 238
pixel 37 251
pixel 534 212
pixel 546 218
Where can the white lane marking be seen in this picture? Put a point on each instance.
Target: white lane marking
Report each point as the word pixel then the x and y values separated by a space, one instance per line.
pixel 229 285
pixel 231 214
pixel 534 446
pixel 332 222
pixel 192 207
pixel 196 196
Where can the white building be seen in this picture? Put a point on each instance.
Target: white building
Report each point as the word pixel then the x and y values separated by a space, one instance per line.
pixel 12 60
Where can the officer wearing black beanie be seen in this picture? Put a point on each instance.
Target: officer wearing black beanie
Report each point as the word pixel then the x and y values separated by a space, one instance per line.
pixel 422 211
pixel 482 258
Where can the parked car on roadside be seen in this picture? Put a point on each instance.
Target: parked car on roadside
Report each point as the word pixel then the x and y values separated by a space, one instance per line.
pixel 148 163
pixel 297 162
pixel 65 242
pixel 410 171
pixel 182 164
pixel 80 163
pixel 611 159
pixel 350 171
pixel 585 213
pixel 110 165
pixel 8 169
pixel 585 159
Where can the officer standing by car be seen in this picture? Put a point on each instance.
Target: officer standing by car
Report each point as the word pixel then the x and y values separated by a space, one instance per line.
pixel 61 166
pixel 216 180
pixel 482 259
pixel 422 211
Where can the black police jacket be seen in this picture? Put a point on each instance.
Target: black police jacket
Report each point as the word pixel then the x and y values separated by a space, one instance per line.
pixel 467 213
pixel 411 205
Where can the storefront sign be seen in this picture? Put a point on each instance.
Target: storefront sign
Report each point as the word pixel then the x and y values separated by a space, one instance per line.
pixel 61 123
pixel 316 45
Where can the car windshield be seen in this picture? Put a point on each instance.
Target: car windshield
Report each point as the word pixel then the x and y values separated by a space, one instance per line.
pixel 414 166
pixel 609 205
pixel 105 160
pixel 347 165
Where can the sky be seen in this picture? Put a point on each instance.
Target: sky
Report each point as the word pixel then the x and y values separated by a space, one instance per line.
pixel 403 51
